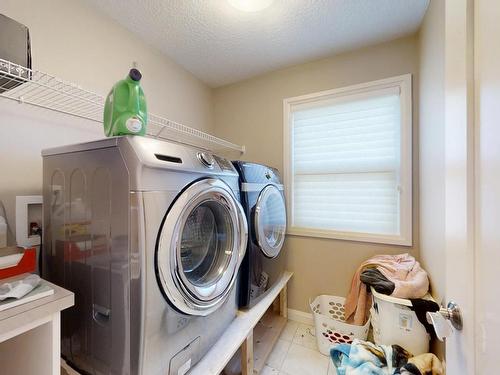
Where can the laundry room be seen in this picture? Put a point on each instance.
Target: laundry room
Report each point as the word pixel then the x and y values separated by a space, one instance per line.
pixel 295 187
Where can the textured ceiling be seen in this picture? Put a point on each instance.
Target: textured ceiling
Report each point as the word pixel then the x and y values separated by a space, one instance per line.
pixel 220 44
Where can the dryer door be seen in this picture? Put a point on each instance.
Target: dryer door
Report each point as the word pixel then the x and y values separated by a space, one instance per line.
pixel 200 246
pixel 270 220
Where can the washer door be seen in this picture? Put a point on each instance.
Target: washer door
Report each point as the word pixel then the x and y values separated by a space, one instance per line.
pixel 200 247
pixel 270 221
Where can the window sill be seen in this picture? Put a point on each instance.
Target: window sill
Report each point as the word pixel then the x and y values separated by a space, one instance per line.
pixel 350 236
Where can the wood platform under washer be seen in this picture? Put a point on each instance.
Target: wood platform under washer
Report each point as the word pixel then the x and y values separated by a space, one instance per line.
pixel 246 331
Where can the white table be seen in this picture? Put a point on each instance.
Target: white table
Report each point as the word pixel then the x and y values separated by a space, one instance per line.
pixel 30 334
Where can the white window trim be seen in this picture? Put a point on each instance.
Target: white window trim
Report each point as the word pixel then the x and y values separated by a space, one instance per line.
pixel 404 83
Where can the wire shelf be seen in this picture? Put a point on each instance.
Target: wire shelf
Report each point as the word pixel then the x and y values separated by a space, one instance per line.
pixel 46 91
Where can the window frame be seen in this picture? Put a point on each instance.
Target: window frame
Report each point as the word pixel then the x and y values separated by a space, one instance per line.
pixel 404 83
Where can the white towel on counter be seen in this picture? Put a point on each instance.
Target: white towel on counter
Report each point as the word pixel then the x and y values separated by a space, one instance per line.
pixel 18 289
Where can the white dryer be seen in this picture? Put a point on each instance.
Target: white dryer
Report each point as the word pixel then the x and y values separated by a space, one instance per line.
pixel 149 235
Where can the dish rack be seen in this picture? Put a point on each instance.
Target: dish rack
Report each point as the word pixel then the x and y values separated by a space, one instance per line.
pixel 46 91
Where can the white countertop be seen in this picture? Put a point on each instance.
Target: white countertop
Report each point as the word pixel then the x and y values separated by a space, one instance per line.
pixel 26 313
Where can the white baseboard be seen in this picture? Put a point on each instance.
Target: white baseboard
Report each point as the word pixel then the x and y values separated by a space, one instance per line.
pixel 300 317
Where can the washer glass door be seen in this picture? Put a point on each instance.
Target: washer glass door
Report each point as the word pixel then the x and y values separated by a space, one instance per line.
pixel 200 247
pixel 270 221
pixel 206 246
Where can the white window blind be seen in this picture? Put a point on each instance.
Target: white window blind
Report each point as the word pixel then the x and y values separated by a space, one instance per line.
pixel 345 164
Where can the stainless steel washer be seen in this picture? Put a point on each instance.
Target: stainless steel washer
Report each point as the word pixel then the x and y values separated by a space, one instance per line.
pixel 149 235
pixel 200 247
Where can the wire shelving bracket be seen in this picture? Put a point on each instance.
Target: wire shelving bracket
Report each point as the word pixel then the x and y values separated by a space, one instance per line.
pixel 46 91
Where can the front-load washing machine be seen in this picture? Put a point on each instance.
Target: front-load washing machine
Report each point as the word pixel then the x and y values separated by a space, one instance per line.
pixel 149 235
pixel 264 203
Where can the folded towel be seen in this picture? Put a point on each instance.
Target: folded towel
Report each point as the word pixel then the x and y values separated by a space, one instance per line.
pixel 410 281
pixel 18 289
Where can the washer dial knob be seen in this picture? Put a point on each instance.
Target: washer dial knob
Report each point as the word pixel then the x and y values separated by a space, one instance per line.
pixel 206 159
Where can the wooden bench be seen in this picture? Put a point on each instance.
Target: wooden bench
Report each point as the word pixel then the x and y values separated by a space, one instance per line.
pixel 254 331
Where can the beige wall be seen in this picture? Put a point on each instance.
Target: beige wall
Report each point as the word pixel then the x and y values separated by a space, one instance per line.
pixel 251 113
pixel 431 145
pixel 75 42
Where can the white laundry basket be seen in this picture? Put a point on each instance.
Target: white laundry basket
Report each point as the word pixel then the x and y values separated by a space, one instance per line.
pixel 395 323
pixel 331 329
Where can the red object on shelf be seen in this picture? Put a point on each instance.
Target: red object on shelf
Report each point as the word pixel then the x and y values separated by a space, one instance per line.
pixel 27 264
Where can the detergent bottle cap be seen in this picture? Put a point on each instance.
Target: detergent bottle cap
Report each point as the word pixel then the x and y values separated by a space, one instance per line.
pixel 135 74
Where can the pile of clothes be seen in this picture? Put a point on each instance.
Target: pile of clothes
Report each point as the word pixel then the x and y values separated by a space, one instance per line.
pixel 365 358
pixel 399 276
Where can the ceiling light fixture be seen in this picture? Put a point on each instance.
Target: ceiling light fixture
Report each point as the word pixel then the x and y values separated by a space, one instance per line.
pixel 250 5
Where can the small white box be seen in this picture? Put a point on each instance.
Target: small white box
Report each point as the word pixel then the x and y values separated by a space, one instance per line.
pixel 28 208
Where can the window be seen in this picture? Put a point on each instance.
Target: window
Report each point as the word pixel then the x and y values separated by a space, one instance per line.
pixel 348 162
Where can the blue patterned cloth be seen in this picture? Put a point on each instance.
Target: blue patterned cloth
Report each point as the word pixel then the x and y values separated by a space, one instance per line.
pixel 363 358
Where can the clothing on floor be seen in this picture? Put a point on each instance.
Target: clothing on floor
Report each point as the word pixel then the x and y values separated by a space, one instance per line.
pixel 374 278
pixel 423 364
pixel 421 307
pixel 408 369
pixel 366 358
pixel 400 356
pixel 410 281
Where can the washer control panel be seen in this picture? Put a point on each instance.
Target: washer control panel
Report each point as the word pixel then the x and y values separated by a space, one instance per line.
pixel 206 159
pixel 224 164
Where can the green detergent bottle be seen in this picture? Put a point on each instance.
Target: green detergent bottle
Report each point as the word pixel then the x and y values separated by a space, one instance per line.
pixel 125 111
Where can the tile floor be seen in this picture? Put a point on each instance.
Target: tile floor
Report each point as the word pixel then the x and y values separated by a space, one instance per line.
pixel 296 353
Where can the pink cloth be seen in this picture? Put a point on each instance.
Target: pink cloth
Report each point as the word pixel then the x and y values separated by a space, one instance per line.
pixel 411 281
